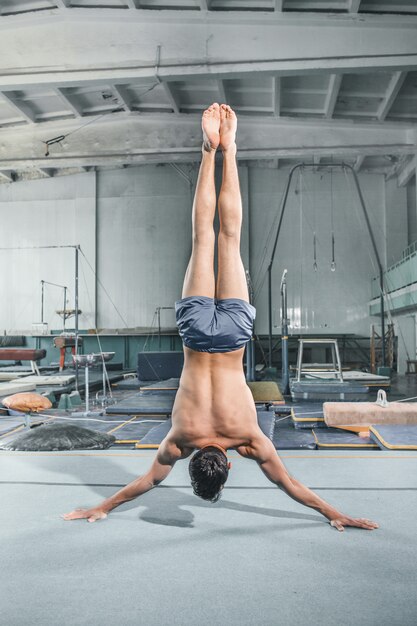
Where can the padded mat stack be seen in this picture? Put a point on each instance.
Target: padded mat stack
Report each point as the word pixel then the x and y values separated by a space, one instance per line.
pixel 15 386
pixel 145 403
pixel 308 419
pixel 330 390
pixel 307 416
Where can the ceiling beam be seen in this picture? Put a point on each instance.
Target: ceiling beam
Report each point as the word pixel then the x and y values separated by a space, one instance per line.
pixel 204 5
pixel 122 96
pixel 353 6
pixel 222 92
pixel 394 7
pixel 332 94
pixel 394 87
pixel 215 70
pixel 278 5
pixel 359 162
pixel 63 4
pixel 131 4
pixel 127 139
pixel 45 171
pixel 7 176
pixel 69 101
pixel 398 164
pixel 276 85
pixel 334 46
pixel 405 174
pixel 172 97
pixel 18 105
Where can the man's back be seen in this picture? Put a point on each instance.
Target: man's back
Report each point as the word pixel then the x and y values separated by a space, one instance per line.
pixel 213 400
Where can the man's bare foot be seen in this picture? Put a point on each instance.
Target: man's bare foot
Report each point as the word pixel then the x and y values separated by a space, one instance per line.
pixel 211 126
pixel 228 126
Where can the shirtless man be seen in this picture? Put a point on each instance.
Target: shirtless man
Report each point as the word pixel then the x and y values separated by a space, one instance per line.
pixel 214 410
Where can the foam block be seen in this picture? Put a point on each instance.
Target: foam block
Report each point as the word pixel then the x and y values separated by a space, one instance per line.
pixel 65 379
pixel 7 389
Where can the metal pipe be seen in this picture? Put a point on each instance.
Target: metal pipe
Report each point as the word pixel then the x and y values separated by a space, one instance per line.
pixel 77 249
pixel 283 203
pixel 65 308
pixel 284 335
pixel 158 310
pixel 378 260
pixel 42 298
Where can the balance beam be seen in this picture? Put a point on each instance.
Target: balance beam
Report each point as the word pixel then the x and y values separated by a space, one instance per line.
pixel 369 413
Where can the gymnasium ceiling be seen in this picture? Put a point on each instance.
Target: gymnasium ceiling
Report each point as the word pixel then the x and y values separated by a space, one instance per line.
pixel 113 83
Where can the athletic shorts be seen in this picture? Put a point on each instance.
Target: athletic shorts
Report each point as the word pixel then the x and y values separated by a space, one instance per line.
pixel 209 325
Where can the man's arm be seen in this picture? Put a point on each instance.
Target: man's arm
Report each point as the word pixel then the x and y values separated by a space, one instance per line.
pixel 168 455
pixel 263 452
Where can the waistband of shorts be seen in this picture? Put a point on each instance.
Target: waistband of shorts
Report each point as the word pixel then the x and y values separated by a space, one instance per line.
pixel 214 301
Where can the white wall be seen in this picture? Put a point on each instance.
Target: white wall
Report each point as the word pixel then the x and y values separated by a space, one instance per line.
pixel 140 222
pixel 59 211
pixel 405 329
pixel 412 210
pixel 396 220
pixel 144 242
pixel 319 301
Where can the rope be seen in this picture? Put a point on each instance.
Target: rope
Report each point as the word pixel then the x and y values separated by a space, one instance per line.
pixel 94 419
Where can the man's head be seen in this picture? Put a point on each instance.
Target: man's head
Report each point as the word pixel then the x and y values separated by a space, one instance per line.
pixel 209 470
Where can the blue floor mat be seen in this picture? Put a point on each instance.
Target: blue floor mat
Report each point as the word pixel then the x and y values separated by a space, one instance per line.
pixel 394 436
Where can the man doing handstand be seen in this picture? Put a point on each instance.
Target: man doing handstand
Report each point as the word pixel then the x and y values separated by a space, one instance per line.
pixel 214 410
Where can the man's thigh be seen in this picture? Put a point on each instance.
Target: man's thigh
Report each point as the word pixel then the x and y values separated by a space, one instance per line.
pixel 199 278
pixel 231 278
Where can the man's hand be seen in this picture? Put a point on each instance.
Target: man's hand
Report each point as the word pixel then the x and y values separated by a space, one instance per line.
pixel 341 521
pixel 91 515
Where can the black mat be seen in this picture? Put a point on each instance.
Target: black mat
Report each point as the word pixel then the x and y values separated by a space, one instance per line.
pixel 146 403
pixel 166 385
pixel 154 437
pixel 333 438
pixel 286 437
pixel 394 436
pixel 128 383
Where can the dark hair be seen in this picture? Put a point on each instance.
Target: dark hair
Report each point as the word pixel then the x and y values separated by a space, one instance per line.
pixel 208 471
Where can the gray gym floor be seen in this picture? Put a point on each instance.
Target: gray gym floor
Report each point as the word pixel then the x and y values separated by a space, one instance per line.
pixel 256 557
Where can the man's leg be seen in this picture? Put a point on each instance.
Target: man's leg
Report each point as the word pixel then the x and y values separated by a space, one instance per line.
pixel 199 277
pixel 231 279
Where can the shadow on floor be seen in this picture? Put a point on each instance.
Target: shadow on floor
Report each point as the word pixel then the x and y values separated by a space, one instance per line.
pixel 163 505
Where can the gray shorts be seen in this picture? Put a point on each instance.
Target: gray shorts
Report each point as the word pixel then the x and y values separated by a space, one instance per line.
pixel 209 325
